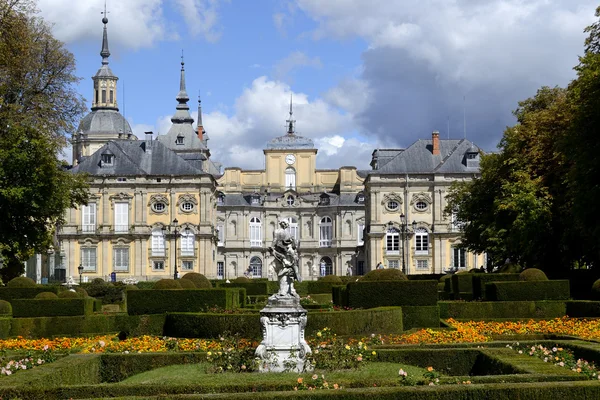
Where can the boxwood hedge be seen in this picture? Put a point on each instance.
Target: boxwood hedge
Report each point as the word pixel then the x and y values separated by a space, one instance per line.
pixel 154 301
pixel 505 309
pixel 254 288
pixel 392 293
pixel 420 317
pixel 52 307
pixel 583 309
pixel 480 280
pixel 527 290
pixel 9 294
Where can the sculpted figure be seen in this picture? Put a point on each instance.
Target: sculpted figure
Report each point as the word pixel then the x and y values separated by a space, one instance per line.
pixel 284 252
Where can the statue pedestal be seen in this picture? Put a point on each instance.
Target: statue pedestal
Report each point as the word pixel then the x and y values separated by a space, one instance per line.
pixel 283 348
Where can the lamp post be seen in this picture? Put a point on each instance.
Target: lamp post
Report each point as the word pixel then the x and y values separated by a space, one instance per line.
pixel 80 269
pixel 404 231
pixel 176 233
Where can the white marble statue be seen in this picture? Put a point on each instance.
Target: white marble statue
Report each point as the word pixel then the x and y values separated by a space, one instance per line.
pixel 285 261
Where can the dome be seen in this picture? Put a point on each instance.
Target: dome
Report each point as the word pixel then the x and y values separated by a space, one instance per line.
pixel 290 141
pixel 103 122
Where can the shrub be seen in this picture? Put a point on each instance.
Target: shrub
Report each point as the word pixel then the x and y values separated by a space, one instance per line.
pixel 480 280
pixel 485 310
pixel 157 301
pixel 533 274
pixel 389 274
pixel 242 279
pixel 131 287
pixel 186 284
pixel 46 296
pixel 107 292
pixel 21 282
pixel 331 278
pixel 524 291
pixel 5 308
pixel 596 289
pixel 199 280
pixel 392 293
pixel 67 294
pixel 253 288
pixel 98 282
pixel 81 291
pixel 50 308
pixel 167 284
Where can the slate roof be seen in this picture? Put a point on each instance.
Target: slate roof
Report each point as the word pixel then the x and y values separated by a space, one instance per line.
pixel 290 141
pixel 131 158
pixel 418 158
pixel 104 122
pixel 245 199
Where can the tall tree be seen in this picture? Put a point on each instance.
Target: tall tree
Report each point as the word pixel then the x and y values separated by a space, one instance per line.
pixel 38 106
pixel 518 208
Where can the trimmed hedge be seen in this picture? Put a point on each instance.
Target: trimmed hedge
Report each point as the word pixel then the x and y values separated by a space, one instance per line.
pixel 320 286
pixel 392 293
pixel 322 298
pixel 41 327
pixel 156 301
pixel 52 307
pixel 356 322
pixel 21 282
pixel 527 290
pixel 117 367
pixel 501 309
pixel 420 317
pixel 9 294
pixel 339 295
pixel 462 285
pixel 480 280
pixel 5 327
pixel 583 309
pixel 199 280
pixel 252 288
pixel 5 308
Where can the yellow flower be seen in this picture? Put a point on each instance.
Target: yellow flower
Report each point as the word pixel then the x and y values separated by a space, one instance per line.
pixel 347 347
pixel 299 380
pixel 374 353
pixel 319 334
pixel 429 369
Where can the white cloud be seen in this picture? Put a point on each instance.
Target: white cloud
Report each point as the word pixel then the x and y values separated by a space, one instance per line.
pixel 133 24
pixel 295 60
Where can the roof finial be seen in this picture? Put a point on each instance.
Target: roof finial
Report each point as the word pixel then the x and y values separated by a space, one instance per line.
pixel 182 79
pixel 104 53
pixel 291 121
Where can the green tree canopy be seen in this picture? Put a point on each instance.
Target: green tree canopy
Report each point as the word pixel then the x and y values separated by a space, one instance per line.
pixel 38 106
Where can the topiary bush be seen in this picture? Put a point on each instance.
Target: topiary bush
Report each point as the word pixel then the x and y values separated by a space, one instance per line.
pixel 131 287
pixel 81 291
pixel 67 294
pixel 167 284
pixel 332 279
pixel 186 284
pixel 532 274
pixel 389 274
pixel 21 282
pixel 242 279
pixel 199 280
pixel 46 296
pixel 98 282
pixel 5 308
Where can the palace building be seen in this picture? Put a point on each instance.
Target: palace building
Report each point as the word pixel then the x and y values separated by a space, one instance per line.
pixel 160 207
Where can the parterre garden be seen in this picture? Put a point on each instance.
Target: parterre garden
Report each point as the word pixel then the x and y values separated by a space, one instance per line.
pixel 461 336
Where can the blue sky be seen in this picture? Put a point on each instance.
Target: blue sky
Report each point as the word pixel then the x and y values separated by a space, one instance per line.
pixel 364 74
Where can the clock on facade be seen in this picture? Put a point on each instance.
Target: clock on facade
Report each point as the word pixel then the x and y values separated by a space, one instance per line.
pixel 290 159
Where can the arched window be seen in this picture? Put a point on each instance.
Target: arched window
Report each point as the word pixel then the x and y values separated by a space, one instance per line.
pixel 290 178
pixel 187 242
pixel 326 262
pixel 255 232
pixel 392 241
pixel 256 265
pixel 325 232
pixel 293 227
pixel 158 242
pixel 421 241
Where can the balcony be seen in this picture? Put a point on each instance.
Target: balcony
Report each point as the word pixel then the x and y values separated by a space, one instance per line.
pixel 121 228
pixel 88 228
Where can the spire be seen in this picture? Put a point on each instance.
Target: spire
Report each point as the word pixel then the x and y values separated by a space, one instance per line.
pixel 200 127
pixel 182 115
pixel 105 53
pixel 291 122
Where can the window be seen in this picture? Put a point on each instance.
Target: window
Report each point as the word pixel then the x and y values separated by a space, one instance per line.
pixel 159 207
pixel 256 265
pixel 325 232
pixel 421 241
pixel 97 94
pixel 158 242
pixel 88 218
pixel 455 224
pixel 121 217
pixel 395 264
pixel 221 198
pixel 324 200
pixel 220 269
pixel 255 232
pixel 255 199
pixel 107 159
pixel 392 205
pixel 361 234
pixel 187 207
pixel 290 200
pixel 121 259
pixel 121 179
pixel 111 96
pixel 292 227
pixel 104 95
pixel 422 264
pixel 88 259
pixel 187 243
pixel 187 265
pixel 158 265
pixel 290 177
pixel 421 206
pixel 221 234
pixel 179 140
pixel 360 198
pixel 326 266
pixel 392 241
pixel 361 268
pixel 459 258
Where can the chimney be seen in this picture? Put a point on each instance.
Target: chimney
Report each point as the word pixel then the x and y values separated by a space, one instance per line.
pixel 435 141
pixel 148 142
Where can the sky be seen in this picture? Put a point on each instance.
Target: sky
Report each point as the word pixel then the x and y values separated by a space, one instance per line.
pixel 363 74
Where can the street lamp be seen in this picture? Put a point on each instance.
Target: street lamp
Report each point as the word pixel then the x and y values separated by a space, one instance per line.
pixel 404 231
pixel 176 233
pixel 80 269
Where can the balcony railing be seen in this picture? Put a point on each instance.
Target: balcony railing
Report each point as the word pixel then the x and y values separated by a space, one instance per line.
pixel 121 228
pixel 88 228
